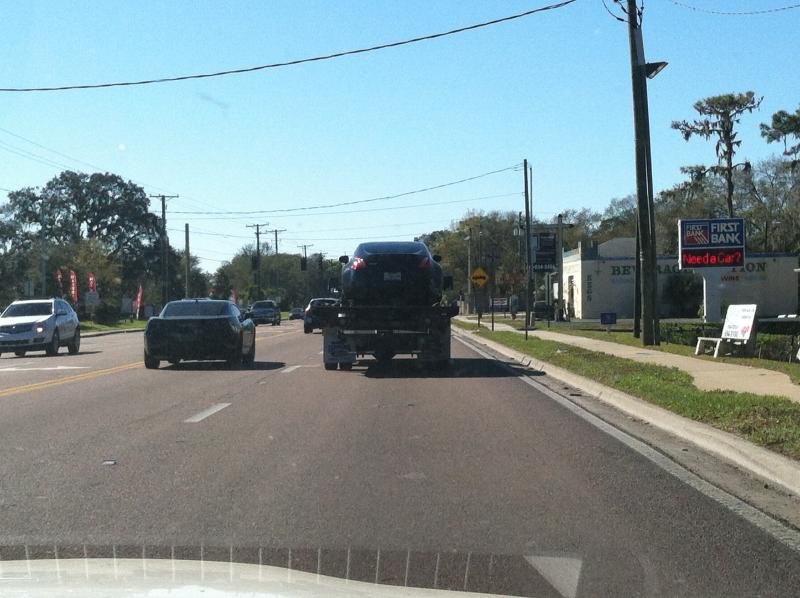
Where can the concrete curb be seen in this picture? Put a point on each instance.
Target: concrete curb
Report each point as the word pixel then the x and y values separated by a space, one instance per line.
pixel 107 332
pixel 771 466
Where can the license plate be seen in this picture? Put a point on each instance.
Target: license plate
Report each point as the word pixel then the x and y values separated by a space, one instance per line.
pixel 392 276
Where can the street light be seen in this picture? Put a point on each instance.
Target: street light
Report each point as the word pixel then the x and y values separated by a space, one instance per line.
pixel 652 69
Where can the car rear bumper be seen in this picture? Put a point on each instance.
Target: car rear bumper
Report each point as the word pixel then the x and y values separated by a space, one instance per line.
pixel 171 348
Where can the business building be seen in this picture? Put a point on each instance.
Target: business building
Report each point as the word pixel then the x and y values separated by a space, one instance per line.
pixel 599 278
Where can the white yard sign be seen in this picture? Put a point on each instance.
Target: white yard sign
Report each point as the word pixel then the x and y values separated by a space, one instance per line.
pixel 739 322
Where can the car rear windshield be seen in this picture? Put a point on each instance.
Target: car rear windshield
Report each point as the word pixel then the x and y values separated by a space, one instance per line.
pixel 393 247
pixel 323 301
pixel 196 308
pixel 45 308
pixel 264 304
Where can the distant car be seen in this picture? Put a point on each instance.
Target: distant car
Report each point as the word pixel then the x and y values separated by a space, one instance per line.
pixel 296 313
pixel 312 321
pixel 200 329
pixel 39 325
pixel 265 312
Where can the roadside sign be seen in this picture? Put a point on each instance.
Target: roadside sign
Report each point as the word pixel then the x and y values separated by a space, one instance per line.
pixel 500 303
pixel 711 243
pixel 479 277
pixel 92 299
pixel 543 252
pixel 739 322
pixel 608 318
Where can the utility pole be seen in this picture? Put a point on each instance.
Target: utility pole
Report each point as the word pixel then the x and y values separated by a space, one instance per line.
pixel 186 258
pixel 469 270
pixel 276 231
pixel 527 250
pixel 257 276
pixel 164 247
pixel 644 205
pixel 561 313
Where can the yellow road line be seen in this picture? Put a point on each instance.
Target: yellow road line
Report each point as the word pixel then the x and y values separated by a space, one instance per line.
pixel 69 379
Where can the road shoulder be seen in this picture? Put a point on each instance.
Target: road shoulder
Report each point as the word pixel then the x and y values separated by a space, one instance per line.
pixel 766 480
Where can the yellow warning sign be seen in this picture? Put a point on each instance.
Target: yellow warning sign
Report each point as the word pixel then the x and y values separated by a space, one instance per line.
pixel 479 277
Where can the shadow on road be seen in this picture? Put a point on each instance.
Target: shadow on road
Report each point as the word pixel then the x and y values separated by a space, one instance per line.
pixel 194 366
pixel 458 368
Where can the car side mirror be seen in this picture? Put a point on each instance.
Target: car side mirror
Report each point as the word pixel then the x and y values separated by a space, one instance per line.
pixel 437 258
pixel 343 259
pixel 447 282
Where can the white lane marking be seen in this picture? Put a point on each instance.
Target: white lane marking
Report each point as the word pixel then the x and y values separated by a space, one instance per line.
pixel 290 369
pixel 563 573
pixel 55 369
pixel 785 535
pixel 206 413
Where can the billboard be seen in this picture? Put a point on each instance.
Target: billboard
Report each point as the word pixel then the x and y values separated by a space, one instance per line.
pixel 543 252
pixel 711 243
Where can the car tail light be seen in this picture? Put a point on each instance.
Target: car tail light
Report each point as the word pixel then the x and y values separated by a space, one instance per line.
pixel 359 263
pixel 425 264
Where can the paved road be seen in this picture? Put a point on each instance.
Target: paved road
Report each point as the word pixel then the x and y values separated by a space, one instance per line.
pixel 468 478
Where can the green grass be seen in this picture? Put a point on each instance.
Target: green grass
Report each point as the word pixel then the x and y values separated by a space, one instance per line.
pixel 772 422
pixel 89 326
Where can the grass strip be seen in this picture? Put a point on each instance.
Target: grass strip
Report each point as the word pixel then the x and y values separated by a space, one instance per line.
pixel 769 421
pixel 89 326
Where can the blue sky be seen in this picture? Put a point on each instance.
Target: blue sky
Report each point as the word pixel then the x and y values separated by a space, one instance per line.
pixel 553 87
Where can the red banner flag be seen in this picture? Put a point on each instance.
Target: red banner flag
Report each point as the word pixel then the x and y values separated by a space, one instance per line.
pixel 92 282
pixel 73 285
pixel 138 301
pixel 234 296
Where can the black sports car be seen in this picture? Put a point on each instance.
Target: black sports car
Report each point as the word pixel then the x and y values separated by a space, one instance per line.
pixel 200 329
pixel 392 273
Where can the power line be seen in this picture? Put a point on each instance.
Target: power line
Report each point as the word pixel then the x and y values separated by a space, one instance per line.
pixel 735 14
pixel 419 205
pixel 360 201
pixel 299 61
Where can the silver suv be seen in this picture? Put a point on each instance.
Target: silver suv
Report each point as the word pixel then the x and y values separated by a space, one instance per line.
pixel 39 325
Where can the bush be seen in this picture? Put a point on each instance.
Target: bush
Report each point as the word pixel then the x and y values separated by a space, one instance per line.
pixel 777 347
pixel 107 312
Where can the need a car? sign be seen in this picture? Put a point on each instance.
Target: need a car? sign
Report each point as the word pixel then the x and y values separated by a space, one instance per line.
pixel 711 243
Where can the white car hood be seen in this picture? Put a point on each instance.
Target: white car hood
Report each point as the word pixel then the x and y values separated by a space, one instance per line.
pixel 22 320
pixel 151 578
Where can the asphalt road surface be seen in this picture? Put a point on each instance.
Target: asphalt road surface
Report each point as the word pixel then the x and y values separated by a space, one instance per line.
pixel 465 479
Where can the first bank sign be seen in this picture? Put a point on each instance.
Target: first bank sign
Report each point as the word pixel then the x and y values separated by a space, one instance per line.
pixel 711 243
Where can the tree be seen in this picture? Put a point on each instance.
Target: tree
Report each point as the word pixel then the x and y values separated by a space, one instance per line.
pixel 784 126
pixel 723 113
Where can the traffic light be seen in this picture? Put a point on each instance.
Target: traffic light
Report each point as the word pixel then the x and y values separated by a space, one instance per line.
pixel 303 264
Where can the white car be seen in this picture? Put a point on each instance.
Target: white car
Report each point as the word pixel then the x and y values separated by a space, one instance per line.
pixel 39 325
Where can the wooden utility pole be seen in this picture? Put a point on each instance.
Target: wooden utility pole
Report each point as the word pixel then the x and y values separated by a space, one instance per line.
pixel 644 209
pixel 188 265
pixel 527 249
pixel 257 273
pixel 164 247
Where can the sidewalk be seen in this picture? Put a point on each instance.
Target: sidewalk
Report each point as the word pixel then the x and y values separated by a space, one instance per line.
pixel 707 374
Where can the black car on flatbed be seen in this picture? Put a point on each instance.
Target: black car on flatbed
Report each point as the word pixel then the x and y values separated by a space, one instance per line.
pixel 392 303
pixel 199 329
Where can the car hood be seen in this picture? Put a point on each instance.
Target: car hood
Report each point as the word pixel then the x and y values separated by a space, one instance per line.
pixel 22 320
pixel 113 578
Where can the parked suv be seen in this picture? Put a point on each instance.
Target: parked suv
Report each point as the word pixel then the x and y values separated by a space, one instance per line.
pixel 265 312
pixel 39 325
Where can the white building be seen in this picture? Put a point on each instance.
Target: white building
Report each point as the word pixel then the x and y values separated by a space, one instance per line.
pixel 599 278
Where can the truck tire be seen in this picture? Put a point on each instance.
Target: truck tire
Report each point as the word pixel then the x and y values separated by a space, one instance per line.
pixel 330 366
pixel 346 366
pixel 307 329
pixel 150 362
